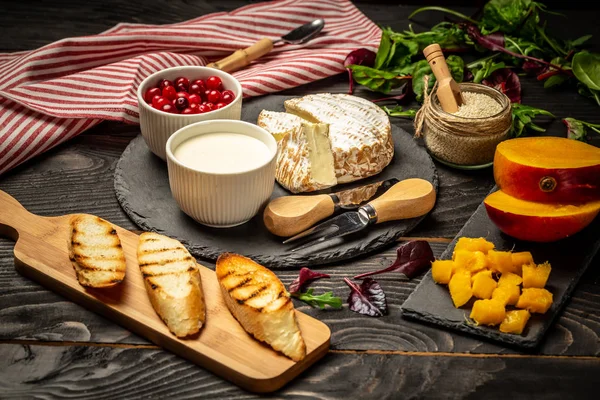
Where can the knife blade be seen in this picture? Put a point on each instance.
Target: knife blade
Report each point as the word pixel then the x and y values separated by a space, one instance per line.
pixel 409 198
pixel 288 215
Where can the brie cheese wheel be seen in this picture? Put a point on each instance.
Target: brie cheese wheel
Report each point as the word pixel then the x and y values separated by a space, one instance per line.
pixel 304 159
pixel 359 131
pixel 278 124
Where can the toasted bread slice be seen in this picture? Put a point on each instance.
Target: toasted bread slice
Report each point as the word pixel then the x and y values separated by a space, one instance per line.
pixel 173 283
pixel 260 303
pixel 95 252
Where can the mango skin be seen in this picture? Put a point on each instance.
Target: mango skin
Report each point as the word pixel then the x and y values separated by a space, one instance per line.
pixel 538 229
pixel 573 185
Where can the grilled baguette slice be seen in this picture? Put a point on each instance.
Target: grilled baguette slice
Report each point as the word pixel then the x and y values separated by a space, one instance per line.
pixel 95 252
pixel 173 283
pixel 260 303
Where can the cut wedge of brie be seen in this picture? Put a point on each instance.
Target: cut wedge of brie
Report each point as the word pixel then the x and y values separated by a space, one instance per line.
pixel 305 160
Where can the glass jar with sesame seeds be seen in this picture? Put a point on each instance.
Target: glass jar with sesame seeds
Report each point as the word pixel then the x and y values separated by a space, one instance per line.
pixel 468 137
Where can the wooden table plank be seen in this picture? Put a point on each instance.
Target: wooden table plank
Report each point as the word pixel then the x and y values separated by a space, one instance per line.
pixel 86 372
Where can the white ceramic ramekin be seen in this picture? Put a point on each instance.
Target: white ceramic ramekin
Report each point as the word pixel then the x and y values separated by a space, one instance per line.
pixel 157 126
pixel 221 199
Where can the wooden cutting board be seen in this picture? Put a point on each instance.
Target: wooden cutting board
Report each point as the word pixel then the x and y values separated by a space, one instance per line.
pixel 222 346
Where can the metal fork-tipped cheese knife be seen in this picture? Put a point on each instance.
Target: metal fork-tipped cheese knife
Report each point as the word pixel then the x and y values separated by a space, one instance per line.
pixel 409 198
pixel 289 215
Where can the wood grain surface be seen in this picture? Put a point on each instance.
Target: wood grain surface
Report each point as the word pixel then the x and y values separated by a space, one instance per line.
pixel 51 347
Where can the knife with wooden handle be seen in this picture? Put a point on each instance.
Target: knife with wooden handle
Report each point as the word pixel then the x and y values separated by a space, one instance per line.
pixel 288 215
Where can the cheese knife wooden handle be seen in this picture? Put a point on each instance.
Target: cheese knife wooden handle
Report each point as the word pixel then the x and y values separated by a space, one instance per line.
pixel 289 215
pixel 409 198
pixel 240 58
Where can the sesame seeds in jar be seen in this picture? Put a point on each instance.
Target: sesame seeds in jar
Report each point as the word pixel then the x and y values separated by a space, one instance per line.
pixel 468 137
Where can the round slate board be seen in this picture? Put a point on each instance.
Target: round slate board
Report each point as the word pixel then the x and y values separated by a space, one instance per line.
pixel 142 189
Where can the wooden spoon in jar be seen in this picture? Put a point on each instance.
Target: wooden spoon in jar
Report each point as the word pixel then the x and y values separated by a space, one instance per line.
pixel 448 91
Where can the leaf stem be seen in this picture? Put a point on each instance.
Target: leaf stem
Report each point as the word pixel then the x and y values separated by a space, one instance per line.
pixel 443 9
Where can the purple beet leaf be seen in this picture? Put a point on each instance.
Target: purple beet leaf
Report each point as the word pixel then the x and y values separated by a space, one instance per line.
pixel 506 81
pixel 368 298
pixel 534 68
pixel 361 56
pixel 305 277
pixel 412 259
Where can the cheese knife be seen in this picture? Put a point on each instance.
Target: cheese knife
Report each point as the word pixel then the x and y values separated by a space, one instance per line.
pixel 409 198
pixel 289 215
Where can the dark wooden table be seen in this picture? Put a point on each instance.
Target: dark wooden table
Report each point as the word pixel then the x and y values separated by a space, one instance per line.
pixel 50 347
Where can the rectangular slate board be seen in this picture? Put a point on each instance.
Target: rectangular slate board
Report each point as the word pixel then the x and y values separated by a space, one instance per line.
pixel 569 257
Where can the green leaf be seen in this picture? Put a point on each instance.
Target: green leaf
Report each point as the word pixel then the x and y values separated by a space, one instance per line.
pixel 374 79
pixel 508 15
pixel 442 9
pixel 522 116
pixel 555 80
pixel 586 67
pixel 483 68
pixel 571 44
pixel 398 111
pixel 446 34
pixel 422 68
pixel 320 301
pixel 385 45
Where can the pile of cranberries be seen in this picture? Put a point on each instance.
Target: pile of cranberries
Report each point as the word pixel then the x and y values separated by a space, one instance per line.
pixel 184 97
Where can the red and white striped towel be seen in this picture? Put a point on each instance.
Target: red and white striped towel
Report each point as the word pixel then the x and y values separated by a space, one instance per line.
pixel 56 92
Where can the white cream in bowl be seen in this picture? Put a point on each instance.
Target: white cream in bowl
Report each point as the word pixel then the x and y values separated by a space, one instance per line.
pixel 221 172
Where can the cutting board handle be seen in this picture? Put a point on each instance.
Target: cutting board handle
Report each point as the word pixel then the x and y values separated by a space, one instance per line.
pixel 13 215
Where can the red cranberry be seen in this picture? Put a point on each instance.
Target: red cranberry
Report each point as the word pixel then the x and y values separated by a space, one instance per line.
pixel 194 107
pixel 182 103
pixel 205 95
pixel 169 92
pixel 202 108
pixel 169 108
pixel 199 82
pixel 210 106
pixel 165 83
pixel 214 83
pixel 183 94
pixel 220 105
pixel 182 79
pixel 159 101
pixel 196 89
pixel 195 99
pixel 180 87
pixel 188 111
pixel 150 93
pixel 214 96
pixel 227 97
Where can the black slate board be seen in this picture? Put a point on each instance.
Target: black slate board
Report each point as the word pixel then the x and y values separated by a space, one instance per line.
pixel 569 258
pixel 142 189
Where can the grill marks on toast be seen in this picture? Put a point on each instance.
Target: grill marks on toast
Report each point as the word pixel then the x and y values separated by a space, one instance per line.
pixel 95 252
pixel 173 283
pixel 260 303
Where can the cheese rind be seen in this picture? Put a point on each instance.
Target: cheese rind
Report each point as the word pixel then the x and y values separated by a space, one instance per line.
pixel 278 124
pixel 359 132
pixel 305 160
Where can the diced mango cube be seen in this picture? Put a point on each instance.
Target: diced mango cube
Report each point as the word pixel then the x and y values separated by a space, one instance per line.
pixel 488 312
pixel 536 276
pixel 515 321
pixel 507 294
pixel 535 300
pixel 471 260
pixel 473 244
pixel 460 287
pixel 500 261
pixel 484 285
pixel 441 271
pixel 519 259
pixel 508 278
